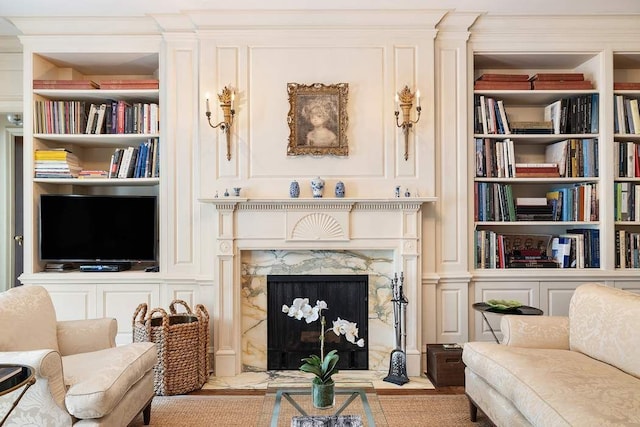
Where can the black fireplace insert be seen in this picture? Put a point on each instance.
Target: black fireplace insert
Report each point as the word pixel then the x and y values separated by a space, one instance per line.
pixel 289 340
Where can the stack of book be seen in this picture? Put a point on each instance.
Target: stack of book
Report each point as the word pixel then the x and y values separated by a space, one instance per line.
pixel 87 174
pixel 491 81
pixel 56 163
pixel 537 170
pixel 560 81
pixel 533 209
pixel 532 127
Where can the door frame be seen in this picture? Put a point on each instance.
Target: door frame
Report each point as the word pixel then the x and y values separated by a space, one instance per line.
pixel 7 208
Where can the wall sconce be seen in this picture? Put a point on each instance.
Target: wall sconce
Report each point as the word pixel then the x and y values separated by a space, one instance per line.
pixel 226 98
pixel 404 99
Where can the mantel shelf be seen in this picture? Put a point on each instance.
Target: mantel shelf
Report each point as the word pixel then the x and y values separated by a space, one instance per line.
pixel 398 203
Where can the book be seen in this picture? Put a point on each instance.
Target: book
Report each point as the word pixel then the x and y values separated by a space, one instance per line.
pixel 503 77
pixel 129 84
pixel 635 115
pixel 501 85
pixel 557 77
pixel 557 153
pixel 542 126
pixel 553 114
pixel 626 86
pixel 64 84
pixel 562 85
pixel 91 119
pixel 531 201
pixel 503 117
pixel 100 117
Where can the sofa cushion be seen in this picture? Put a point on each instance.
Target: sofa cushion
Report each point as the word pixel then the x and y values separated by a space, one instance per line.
pixel 98 380
pixel 535 331
pixel 603 324
pixel 554 387
pixel 27 308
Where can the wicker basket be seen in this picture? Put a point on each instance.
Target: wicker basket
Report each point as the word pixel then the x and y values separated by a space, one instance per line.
pixel 182 340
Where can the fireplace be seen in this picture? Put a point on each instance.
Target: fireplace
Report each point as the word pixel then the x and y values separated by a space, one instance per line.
pixel 289 340
pixel 258 237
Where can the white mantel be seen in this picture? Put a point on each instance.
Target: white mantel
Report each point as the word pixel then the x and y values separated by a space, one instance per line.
pixel 313 224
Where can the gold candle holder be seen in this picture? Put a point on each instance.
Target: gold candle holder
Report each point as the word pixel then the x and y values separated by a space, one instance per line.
pixel 404 99
pixel 226 99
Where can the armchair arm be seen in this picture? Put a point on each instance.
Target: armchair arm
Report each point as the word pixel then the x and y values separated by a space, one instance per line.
pixel 82 336
pixel 47 366
pixel 535 331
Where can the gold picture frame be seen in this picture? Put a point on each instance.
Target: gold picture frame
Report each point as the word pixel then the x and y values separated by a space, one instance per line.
pixel 318 119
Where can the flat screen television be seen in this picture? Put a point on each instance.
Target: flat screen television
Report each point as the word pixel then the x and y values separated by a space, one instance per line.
pixel 89 229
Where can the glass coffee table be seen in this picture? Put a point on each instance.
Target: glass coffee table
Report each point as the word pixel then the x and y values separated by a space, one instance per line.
pixel 281 404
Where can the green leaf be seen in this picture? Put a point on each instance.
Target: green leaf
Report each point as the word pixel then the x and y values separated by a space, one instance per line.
pixel 323 370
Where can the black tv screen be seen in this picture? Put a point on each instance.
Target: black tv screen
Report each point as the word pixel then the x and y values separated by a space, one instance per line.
pixel 80 228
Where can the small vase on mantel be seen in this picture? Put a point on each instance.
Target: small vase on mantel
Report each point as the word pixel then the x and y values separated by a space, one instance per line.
pixel 340 189
pixel 294 189
pixel 323 395
pixel 317 186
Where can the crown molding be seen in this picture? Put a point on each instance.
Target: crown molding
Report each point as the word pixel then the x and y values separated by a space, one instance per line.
pixel 95 25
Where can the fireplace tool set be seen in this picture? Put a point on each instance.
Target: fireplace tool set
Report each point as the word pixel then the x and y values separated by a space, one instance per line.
pixel 398 359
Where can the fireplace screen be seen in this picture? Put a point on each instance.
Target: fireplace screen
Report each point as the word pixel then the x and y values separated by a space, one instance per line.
pixel 290 340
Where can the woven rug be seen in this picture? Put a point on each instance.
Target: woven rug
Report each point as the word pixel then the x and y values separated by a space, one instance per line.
pixel 223 411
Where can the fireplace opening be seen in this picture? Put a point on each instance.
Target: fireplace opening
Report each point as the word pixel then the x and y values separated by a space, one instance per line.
pixel 291 340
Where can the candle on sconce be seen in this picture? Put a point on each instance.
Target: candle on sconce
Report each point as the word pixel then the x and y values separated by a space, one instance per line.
pixel 397 100
pixel 233 98
pixel 207 103
pixel 418 96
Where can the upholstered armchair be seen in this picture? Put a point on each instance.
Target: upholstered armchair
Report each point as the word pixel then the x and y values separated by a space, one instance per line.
pixel 82 378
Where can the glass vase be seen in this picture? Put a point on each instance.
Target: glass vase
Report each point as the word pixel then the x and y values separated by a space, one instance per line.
pixel 323 395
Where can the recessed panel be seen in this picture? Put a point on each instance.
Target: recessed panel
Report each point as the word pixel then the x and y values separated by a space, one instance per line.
pixel 270 71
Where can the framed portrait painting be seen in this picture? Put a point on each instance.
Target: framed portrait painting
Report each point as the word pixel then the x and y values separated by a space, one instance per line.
pixel 317 119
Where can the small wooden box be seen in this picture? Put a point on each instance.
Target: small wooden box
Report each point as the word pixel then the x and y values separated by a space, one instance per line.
pixel 444 366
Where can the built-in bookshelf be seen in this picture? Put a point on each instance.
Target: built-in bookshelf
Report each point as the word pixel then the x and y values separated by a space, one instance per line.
pixel 536 153
pixel 94 128
pixel 626 126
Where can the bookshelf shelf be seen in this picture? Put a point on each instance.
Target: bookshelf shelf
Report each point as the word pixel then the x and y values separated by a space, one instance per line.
pixel 145 95
pixel 531 97
pixel 534 223
pixel 101 140
pixel 101 182
pixel 559 180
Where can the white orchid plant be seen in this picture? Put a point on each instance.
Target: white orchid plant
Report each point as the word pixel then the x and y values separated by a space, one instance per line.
pixel 322 367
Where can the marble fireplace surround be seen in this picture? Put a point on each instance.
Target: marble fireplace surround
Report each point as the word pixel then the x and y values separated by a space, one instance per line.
pixel 255 237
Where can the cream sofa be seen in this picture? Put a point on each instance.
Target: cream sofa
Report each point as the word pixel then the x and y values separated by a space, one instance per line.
pixel 581 370
pixel 82 378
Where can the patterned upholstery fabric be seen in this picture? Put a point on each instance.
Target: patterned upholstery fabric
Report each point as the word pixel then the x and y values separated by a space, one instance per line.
pixel 25 309
pixel 82 336
pixel 535 331
pixel 78 369
pixel 532 378
pixel 605 325
pixel 97 380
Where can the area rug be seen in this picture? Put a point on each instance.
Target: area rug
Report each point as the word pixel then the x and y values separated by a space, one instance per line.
pixel 223 411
